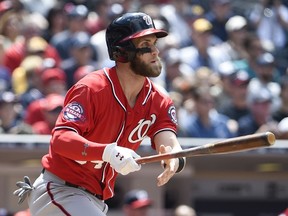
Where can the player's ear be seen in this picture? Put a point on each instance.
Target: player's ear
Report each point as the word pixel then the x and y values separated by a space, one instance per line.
pixel 120 54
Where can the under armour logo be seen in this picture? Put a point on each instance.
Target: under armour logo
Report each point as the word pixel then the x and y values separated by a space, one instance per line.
pixel 121 157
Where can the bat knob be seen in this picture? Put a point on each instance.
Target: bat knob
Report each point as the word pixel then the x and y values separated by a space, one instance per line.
pixel 271 138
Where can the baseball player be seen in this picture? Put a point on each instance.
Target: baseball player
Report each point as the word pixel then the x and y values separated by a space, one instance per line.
pixel 105 117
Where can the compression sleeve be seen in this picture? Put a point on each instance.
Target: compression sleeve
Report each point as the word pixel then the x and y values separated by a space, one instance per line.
pixel 70 144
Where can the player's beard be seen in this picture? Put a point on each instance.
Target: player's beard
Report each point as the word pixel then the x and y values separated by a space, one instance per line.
pixel 148 70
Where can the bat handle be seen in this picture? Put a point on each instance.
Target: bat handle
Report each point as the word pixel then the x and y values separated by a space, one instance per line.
pixel 154 158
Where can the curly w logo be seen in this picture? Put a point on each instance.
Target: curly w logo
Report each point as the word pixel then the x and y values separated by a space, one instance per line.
pixel 140 131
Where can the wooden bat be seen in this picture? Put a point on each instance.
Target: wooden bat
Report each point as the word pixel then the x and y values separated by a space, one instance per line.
pixel 231 145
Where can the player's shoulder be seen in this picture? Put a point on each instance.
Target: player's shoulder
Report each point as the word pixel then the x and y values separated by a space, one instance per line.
pixel 160 95
pixel 94 80
pixel 160 90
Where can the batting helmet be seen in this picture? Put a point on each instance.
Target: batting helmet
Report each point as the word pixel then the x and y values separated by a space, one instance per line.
pixel 125 28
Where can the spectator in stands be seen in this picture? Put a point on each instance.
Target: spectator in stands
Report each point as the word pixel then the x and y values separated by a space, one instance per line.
pixel 224 96
pixel 57 21
pixel 270 20
pixel 32 44
pixel 54 81
pixel 206 122
pixel 5 74
pixel 239 87
pixel 50 107
pixel 82 71
pixel 5 80
pixel 184 210
pixel 267 75
pixel 81 54
pixel 18 6
pixel 204 76
pixel 282 111
pixel 38 6
pixel 267 70
pixel 185 85
pixel 77 15
pixel 283 129
pixel 233 47
pixel 98 39
pixel 75 2
pixel 136 203
pixel 10 121
pixel 5 6
pixel 173 69
pixel 201 53
pixel 254 48
pixel 10 28
pixel 259 118
pixel 99 15
pixel 26 80
pixel 179 29
pixel 34 112
pixel 218 14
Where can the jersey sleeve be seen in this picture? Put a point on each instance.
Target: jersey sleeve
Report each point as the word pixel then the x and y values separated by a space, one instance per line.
pixel 69 137
pixel 166 119
pixel 77 114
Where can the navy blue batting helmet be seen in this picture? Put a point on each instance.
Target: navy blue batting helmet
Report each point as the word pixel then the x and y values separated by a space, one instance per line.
pixel 122 30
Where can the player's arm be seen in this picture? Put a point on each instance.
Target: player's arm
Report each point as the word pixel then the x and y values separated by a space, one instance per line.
pixel 72 145
pixel 166 141
pixel 69 142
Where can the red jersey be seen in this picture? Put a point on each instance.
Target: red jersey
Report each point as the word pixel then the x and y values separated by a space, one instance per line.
pixel 97 109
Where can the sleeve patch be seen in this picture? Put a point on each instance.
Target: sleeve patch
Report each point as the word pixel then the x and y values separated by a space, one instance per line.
pixel 74 112
pixel 172 114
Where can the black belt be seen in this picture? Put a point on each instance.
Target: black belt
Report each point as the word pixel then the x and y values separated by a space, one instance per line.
pixel 79 187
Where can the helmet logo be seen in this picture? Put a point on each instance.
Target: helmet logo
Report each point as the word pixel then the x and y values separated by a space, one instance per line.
pixel 148 20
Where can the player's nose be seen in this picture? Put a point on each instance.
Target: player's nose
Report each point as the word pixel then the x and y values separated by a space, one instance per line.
pixel 154 49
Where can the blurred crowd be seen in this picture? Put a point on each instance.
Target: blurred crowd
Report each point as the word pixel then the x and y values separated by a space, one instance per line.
pixel 224 68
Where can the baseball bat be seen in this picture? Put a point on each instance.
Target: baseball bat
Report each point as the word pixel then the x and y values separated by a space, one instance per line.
pixel 231 145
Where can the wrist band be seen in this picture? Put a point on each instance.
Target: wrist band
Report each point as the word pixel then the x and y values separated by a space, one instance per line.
pixel 182 163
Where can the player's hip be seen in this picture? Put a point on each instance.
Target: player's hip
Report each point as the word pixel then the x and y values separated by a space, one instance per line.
pixel 51 196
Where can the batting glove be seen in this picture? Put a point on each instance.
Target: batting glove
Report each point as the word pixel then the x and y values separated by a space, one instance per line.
pixel 121 159
pixel 25 188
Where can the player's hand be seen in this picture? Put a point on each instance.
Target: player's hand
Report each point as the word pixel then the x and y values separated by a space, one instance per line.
pixel 170 169
pixel 121 159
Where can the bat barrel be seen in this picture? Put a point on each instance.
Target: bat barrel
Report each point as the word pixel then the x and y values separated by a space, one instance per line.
pixel 241 143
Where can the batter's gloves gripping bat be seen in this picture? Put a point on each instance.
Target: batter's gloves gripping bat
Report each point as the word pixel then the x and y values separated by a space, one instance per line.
pixel 121 159
pixel 24 189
